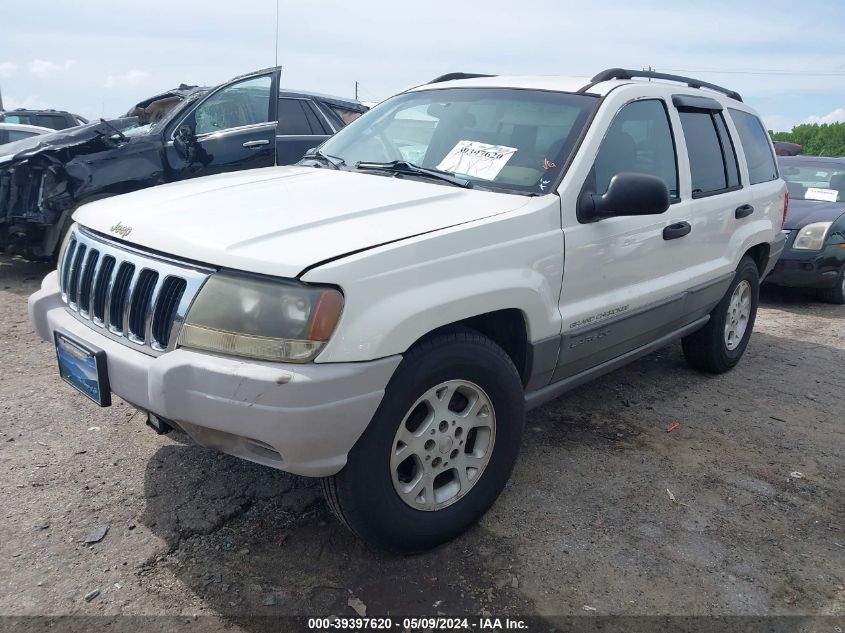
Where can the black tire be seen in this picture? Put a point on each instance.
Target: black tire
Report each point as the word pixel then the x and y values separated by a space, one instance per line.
pixel 836 294
pixel 707 349
pixel 363 496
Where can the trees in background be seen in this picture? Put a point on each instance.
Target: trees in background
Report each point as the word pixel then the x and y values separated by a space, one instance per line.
pixel 826 139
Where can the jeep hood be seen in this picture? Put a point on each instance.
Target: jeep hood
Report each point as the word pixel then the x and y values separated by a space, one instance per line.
pixel 282 220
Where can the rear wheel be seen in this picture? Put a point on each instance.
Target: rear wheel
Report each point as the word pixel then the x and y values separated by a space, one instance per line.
pixel 440 448
pixel 718 346
pixel 836 294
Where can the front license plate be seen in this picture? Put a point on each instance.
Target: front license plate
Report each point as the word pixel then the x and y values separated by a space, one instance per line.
pixel 83 368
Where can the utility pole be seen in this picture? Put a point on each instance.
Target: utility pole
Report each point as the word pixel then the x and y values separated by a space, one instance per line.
pixel 1 101
pixel 356 91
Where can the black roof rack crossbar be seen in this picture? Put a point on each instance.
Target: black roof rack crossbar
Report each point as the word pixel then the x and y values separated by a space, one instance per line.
pixel 452 76
pixel 623 73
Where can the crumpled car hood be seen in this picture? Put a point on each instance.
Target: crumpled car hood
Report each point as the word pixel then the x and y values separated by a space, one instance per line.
pixel 61 139
pixel 282 220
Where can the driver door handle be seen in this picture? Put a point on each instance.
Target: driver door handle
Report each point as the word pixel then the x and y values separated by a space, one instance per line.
pixel 257 143
pixel 674 231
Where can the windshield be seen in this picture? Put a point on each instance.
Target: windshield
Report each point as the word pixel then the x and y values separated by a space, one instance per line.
pixel 139 130
pixel 500 139
pixel 816 180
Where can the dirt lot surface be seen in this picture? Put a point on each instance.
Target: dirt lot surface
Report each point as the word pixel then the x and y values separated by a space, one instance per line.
pixel 587 525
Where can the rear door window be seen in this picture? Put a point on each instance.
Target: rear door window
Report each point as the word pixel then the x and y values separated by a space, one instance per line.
pixel 292 118
pixel 713 165
pixel 51 121
pixel 755 146
pixel 317 126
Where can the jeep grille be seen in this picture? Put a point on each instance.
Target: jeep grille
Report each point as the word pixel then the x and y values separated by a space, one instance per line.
pixel 134 297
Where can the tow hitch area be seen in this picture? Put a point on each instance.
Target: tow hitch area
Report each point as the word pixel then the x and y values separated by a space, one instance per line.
pixel 157 424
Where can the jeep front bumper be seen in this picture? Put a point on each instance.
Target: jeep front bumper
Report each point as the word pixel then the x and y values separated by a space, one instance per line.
pixel 303 419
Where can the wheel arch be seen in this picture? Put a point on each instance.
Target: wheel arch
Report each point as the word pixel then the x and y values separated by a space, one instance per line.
pixel 507 327
pixel 760 254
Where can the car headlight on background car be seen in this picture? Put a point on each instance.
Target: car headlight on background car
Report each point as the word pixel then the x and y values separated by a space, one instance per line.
pixel 812 236
pixel 261 318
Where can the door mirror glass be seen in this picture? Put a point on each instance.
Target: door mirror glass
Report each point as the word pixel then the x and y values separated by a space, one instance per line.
pixel 244 103
pixel 627 194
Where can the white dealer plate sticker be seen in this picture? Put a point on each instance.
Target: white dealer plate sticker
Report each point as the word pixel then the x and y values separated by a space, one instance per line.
pixel 477 160
pixel 825 195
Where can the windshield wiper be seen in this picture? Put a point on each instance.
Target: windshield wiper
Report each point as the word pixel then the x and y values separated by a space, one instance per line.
pixel 404 167
pixel 332 161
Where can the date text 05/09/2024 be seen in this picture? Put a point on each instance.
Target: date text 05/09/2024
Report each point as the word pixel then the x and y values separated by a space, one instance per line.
pixel 418 624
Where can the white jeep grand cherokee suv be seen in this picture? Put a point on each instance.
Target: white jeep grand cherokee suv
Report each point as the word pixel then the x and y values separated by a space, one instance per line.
pixel 382 314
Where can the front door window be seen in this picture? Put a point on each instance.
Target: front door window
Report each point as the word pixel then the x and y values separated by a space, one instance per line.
pixel 244 103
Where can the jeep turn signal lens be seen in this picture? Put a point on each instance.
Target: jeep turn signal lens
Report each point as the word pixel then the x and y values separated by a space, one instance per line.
pixel 261 318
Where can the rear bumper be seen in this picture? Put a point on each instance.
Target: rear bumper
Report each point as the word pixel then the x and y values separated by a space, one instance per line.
pixel 300 418
pixel 776 248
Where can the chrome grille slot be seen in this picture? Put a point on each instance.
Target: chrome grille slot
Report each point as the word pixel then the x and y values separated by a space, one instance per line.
pixel 168 302
pixel 86 278
pixel 117 300
pixel 64 278
pixel 76 266
pixel 127 294
pixel 141 305
pixel 100 290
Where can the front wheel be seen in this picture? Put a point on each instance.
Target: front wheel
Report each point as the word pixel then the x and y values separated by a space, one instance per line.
pixel 836 294
pixel 440 448
pixel 718 346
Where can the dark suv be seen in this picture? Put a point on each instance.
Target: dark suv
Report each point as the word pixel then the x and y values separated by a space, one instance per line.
pixel 201 131
pixel 53 119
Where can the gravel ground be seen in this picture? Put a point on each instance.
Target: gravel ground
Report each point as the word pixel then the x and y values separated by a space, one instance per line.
pixel 606 514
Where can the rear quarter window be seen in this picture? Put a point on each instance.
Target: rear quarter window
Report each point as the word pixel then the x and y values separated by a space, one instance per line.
pixel 17 118
pixel 755 145
pixel 347 116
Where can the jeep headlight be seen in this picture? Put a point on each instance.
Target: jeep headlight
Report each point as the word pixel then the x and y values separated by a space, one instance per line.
pixel 261 318
pixel 812 236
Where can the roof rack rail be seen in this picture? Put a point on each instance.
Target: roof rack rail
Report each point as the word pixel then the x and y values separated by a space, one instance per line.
pixel 451 76
pixel 622 73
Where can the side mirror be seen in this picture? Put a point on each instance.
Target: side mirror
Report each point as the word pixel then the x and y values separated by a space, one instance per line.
pixel 629 193
pixel 183 139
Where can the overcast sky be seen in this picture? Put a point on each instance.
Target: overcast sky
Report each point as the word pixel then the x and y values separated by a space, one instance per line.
pixel 99 57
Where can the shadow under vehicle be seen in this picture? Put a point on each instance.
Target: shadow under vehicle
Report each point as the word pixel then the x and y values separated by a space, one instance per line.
pixel 182 133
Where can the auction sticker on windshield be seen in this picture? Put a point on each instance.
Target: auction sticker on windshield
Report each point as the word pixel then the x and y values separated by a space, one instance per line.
pixel 477 160
pixel 824 195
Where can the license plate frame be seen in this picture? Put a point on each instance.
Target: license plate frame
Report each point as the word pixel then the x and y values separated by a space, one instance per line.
pixel 83 367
